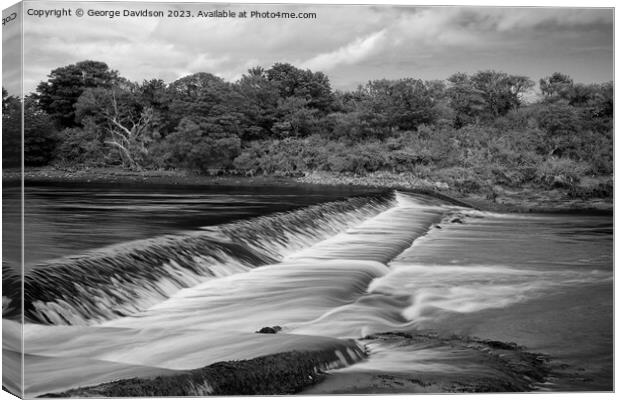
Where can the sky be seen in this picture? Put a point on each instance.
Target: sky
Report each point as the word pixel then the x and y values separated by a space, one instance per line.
pixel 351 44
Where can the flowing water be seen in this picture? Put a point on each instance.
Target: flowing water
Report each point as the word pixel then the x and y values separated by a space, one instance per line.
pixel 131 282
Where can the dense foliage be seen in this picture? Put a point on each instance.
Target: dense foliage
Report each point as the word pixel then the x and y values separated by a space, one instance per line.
pixel 471 132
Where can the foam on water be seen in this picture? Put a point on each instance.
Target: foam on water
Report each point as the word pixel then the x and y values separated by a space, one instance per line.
pixel 325 274
pixel 283 234
pixel 425 362
pixel 120 281
pixel 437 290
pixel 305 285
pixel 124 279
pixel 272 295
pixel 380 238
pixel 215 319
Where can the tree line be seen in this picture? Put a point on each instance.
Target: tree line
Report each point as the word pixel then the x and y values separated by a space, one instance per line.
pixel 471 129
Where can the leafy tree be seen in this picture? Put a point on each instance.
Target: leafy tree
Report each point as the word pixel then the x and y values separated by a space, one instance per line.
pixel 348 125
pixel 197 94
pixel 500 91
pixel 9 102
pixel 596 98
pixel 39 135
pixel 152 93
pixel 556 87
pixel 603 104
pixel 466 100
pixel 261 103
pixel 295 118
pixel 313 87
pixel 82 146
pixel 410 104
pixel 59 94
pixel 200 144
pixel 486 95
pixel 11 130
pixel 561 122
pixel 286 120
pixel 204 95
pixel 397 104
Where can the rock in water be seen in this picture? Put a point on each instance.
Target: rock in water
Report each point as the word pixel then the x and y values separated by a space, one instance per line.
pixel 270 329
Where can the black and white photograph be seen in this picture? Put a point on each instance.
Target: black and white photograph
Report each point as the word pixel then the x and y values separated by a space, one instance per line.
pixel 236 199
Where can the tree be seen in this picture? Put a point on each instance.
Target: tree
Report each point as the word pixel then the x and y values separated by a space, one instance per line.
pixel 410 104
pixel 486 95
pixel 11 130
pixel 313 87
pixel 295 118
pixel 9 102
pixel 200 144
pixel 152 93
pixel 603 103
pixel 465 99
pixel 206 96
pixel 39 135
pixel 401 104
pixel 556 87
pixel 83 146
pixel 559 119
pixel 127 123
pixel 59 94
pixel 500 91
pixel 261 103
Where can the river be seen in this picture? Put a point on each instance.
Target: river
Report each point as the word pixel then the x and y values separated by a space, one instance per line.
pixel 408 293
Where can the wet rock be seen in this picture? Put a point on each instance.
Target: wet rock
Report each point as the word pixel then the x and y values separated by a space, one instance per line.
pixel 277 374
pixel 502 366
pixel 270 329
pixel 502 345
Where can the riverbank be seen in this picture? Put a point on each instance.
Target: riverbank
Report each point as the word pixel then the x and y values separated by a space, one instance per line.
pixel 121 176
pixel 498 198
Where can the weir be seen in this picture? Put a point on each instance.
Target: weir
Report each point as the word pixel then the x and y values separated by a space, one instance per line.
pixel 122 280
pixel 324 274
pixel 286 269
pixel 305 285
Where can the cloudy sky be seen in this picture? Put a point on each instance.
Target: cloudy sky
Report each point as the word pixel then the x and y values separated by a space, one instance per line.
pixel 351 44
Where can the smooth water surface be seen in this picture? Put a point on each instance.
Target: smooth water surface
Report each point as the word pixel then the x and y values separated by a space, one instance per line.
pixel 67 219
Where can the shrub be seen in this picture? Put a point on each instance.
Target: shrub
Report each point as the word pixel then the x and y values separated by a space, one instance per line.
pixel 561 172
pixel 81 146
pixel 559 119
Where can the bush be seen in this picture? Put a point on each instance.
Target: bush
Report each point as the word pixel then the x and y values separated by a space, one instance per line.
pixel 81 146
pixel 561 172
pixel 592 188
pixel 559 119
pixel 460 179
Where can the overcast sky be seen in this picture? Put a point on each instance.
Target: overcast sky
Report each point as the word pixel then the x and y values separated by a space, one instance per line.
pixel 351 44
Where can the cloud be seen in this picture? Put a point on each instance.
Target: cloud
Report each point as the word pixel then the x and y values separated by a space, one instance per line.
pixel 352 43
pixel 352 53
pixel 505 20
pixel 206 62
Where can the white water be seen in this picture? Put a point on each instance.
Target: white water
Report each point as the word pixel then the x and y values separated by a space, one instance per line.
pixel 125 279
pixel 378 275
